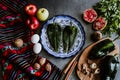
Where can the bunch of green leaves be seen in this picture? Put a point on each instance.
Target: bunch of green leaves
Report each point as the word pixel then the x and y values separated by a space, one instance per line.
pixel 110 10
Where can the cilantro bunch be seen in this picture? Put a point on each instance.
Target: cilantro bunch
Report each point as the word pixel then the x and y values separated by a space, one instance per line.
pixel 110 10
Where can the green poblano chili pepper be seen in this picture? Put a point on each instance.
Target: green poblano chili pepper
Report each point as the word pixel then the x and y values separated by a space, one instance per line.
pixel 101 49
pixel 54 32
pixel 109 67
pixel 69 36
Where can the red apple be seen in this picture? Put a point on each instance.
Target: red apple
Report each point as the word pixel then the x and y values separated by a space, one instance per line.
pixel 31 9
pixel 33 23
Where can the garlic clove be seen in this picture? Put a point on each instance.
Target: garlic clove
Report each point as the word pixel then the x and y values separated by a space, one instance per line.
pixel 93 66
pixel 97 71
pixel 48 67
pixel 88 71
pixel 42 61
pixel 89 61
pixel 84 66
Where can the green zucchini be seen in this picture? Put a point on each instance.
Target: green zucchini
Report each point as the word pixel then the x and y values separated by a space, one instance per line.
pixel 69 36
pixel 54 33
pixel 101 49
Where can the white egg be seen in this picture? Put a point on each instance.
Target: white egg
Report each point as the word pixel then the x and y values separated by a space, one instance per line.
pixel 35 38
pixel 37 48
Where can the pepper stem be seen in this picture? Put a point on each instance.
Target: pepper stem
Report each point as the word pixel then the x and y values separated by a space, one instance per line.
pixel 116 38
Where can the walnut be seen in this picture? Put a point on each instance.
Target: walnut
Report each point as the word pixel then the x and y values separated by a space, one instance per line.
pixel 48 67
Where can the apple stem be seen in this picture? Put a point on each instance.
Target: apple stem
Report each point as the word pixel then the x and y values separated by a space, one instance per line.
pixel 43 11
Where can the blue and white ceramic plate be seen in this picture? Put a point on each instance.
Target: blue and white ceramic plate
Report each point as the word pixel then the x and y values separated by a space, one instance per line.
pixel 63 20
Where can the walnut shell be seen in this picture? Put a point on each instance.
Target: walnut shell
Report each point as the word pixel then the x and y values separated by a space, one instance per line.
pixel 42 61
pixel 36 66
pixel 18 43
pixel 48 67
